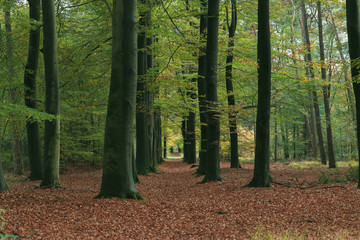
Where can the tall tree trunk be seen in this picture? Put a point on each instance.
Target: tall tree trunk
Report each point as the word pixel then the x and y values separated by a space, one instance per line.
pixel 15 131
pixel 285 140
pixel 165 147
pixel 32 126
pixel 312 132
pixel 261 177
pixel 142 138
pixel 325 88
pixel 310 74
pixel 202 90
pixel 345 67
pixel 234 148
pixel 52 105
pixel 213 156
pixel 3 186
pixel 117 178
pixel 353 29
pixel 275 140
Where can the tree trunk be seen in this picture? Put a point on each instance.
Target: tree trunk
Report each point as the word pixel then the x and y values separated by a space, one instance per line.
pixel 234 148
pixel 117 178
pixel 285 141
pixel 165 147
pixel 142 138
pixel 15 131
pixel 345 67
pixel 32 126
pixel 352 22
pixel 3 186
pixel 325 88
pixel 261 177
pixel 202 90
pixel 213 156
pixel 275 141
pixel 319 128
pixel 52 105
pixel 310 74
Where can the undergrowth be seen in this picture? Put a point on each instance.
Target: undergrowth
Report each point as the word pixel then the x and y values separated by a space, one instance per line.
pixel 335 175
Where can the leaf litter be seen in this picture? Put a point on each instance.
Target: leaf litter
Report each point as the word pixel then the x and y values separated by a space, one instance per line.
pixel 175 207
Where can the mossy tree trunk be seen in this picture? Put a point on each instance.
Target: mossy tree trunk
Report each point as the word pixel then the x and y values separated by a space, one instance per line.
pixel 3 186
pixel 32 126
pixel 52 104
pixel 261 177
pixel 117 178
pixel 142 133
pixel 353 29
pixel 15 128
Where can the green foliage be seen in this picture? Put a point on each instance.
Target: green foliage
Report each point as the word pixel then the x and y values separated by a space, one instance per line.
pixel 335 175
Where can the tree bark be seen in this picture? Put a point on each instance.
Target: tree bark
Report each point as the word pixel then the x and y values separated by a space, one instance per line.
pixel 32 126
pixel 352 22
pixel 310 74
pixel 234 148
pixel 213 156
pixel 142 138
pixel 52 104
pixel 3 186
pixel 325 88
pixel 202 90
pixel 261 177
pixel 345 67
pixel 117 178
pixel 15 131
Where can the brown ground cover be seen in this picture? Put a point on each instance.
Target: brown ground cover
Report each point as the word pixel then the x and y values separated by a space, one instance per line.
pixel 178 208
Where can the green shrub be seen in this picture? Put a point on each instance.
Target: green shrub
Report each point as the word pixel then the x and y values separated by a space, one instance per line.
pixel 352 174
pixel 335 175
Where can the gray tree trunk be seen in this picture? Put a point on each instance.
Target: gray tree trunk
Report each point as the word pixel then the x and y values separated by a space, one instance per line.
pixel 32 126
pixel 261 177
pixel 331 154
pixel 15 130
pixel 142 133
pixel 202 90
pixel 117 178
pixel 52 103
pixel 213 156
pixel 3 186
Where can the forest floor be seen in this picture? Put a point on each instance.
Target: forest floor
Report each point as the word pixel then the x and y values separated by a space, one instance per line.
pixel 175 207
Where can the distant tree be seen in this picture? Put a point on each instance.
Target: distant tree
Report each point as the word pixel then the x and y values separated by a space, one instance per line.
pixel 32 126
pixel 313 94
pixel 52 104
pixel 213 157
pixel 234 148
pixel 117 178
pixel 3 186
pixel 15 130
pixel 261 177
pixel 353 29
pixel 326 91
pixel 143 153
